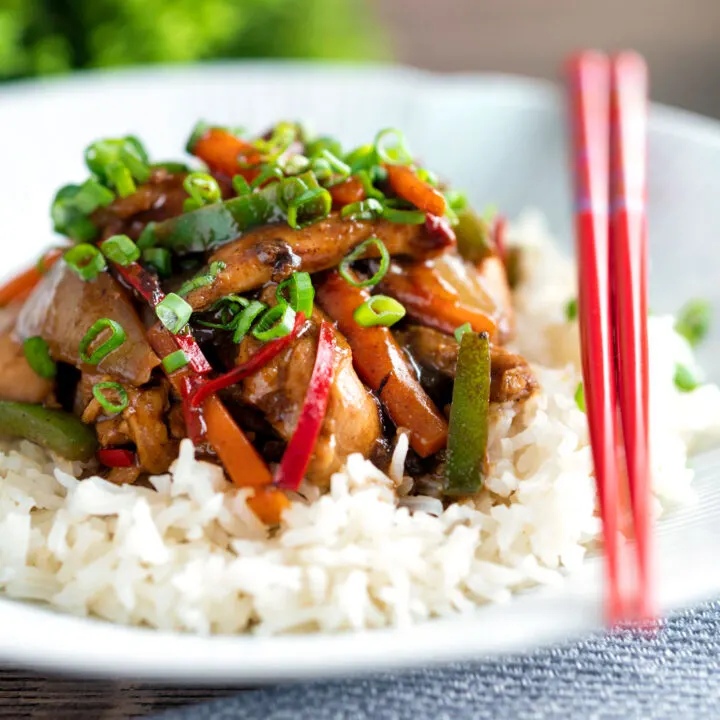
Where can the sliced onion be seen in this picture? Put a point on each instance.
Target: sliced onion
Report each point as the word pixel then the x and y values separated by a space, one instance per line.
pixel 422 503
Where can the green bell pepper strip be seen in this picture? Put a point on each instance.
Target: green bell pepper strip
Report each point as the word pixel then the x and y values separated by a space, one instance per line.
pixel 468 427
pixel 473 236
pixel 55 430
pixel 212 225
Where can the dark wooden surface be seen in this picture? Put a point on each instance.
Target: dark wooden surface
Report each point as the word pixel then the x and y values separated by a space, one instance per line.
pixel 680 40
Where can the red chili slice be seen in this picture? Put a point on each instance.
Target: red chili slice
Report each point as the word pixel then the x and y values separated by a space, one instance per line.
pixel 299 451
pixel 261 358
pixel 117 458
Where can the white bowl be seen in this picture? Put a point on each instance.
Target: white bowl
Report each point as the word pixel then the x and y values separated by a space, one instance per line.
pixel 501 138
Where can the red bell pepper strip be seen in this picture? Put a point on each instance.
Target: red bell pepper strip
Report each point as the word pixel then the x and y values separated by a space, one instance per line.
pixel 299 451
pixel 410 187
pixel 19 287
pixel 117 457
pixel 147 285
pixel 261 358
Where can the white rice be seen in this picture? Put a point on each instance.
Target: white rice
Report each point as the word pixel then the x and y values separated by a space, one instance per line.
pixel 190 555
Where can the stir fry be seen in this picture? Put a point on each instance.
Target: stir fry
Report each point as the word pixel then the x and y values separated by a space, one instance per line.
pixel 285 306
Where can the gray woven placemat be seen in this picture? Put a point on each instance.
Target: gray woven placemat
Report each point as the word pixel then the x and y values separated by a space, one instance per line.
pixel 674 673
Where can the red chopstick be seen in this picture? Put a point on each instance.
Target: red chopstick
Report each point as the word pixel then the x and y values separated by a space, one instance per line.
pixel 628 272
pixel 589 84
pixel 609 115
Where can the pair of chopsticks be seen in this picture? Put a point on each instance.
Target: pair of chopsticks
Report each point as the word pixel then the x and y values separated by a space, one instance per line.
pixel 608 100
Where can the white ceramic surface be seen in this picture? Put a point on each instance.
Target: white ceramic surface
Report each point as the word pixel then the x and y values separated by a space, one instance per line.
pixel 502 139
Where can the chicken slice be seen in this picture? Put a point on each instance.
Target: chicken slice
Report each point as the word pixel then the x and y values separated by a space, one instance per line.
pixel 64 307
pixel 272 252
pixel 352 420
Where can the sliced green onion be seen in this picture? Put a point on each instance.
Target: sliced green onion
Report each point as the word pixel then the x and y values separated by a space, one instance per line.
pixel 86 260
pixel 455 199
pixel 358 253
pixel 173 312
pixel 311 206
pixel 119 163
pixel 110 407
pixel 295 164
pixel 334 162
pixel 391 147
pixel 316 146
pixel 362 158
pixel 267 172
pixel 693 321
pixel 174 361
pixel 379 310
pixel 405 217
pixel 202 188
pixel 363 210
pixel 199 131
pixel 206 278
pixel 571 309
pixel 427 176
pixel 245 319
pixel 38 357
pixel 116 339
pixel 228 306
pixel 147 237
pixel 240 186
pixel 276 322
pixel 283 135
pixel 160 259
pixel 120 249
pixel 685 379
pixel 300 291
pixel 73 203
pixel 370 190
pixel 580 397
pixel 460 331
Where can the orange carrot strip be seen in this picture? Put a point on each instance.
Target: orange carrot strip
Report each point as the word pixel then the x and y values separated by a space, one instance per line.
pixel 409 186
pixel 19 287
pixel 430 302
pixel 222 151
pixel 242 462
pixel 346 192
pixel 380 363
pixel 268 504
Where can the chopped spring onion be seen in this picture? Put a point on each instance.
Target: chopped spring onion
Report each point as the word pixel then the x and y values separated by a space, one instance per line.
pixel 379 310
pixel 171 167
pixel 160 259
pixel 120 249
pixel 283 136
pixel 295 164
pixel 685 379
pixel 362 158
pixel 693 321
pixel 427 176
pixel 174 361
pixel 305 200
pixel 38 357
pixel 316 146
pixel 370 190
pixel 119 163
pixel 580 396
pixel 173 312
pixel 364 210
pixel 276 322
pixel 300 291
pixel 327 160
pixel 460 331
pixel 405 217
pixel 270 171
pixel 73 204
pixel 202 188
pixel 571 309
pixel 391 147
pixel 110 407
pixel 357 254
pixel 241 186
pixel 86 260
pixel 206 278
pixel 243 321
pixel 228 307
pixel 455 199
pixel 116 339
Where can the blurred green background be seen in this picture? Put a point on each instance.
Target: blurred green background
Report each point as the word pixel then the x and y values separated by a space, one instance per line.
pixel 39 37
